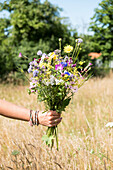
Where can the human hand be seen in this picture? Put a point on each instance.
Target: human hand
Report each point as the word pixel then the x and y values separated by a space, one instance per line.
pixel 50 118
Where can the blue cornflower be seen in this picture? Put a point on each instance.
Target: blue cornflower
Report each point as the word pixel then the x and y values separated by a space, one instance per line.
pixel 64 64
pixel 35 73
pixel 66 72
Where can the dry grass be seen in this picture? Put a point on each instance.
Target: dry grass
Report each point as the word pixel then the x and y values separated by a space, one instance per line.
pixel 84 141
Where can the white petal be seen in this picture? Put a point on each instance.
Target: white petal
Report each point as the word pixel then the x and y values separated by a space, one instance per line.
pixel 109 124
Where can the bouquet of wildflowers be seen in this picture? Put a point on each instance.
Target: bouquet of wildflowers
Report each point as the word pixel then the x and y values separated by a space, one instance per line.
pixel 55 79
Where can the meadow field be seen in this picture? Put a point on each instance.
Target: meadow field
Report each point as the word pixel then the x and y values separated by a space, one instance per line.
pixel 85 143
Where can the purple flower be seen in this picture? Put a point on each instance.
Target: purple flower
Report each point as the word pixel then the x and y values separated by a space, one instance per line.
pixel 70 87
pixel 73 65
pixel 75 89
pixel 40 79
pixel 57 51
pixel 30 69
pixel 72 82
pixel 31 63
pixel 39 52
pixel 20 55
pixel 35 73
pixel 58 67
pixel 79 40
pixel 70 61
pixel 72 75
pixel 43 55
pixel 43 67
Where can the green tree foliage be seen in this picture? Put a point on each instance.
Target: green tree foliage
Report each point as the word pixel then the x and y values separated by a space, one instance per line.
pixel 31 26
pixel 102 26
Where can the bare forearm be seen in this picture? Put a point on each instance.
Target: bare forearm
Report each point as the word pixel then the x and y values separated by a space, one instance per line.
pixel 50 118
pixel 13 111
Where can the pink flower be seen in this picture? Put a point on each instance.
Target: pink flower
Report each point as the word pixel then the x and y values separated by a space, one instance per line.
pixel 20 55
pixel 75 89
pixel 89 64
pixel 58 67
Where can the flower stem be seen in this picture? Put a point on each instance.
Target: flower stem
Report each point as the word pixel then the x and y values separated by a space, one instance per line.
pixel 74 51
pixel 77 53
pixel 56 135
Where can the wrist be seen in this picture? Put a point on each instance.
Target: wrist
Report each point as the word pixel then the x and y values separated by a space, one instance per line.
pixel 34 118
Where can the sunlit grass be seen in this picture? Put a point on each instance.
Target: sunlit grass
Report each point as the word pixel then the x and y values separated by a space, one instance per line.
pixel 84 141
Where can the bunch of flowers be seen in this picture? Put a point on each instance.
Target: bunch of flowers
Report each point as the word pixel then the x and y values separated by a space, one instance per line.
pixel 55 78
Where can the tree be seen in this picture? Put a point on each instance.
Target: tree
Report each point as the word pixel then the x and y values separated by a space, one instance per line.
pixel 31 26
pixel 102 26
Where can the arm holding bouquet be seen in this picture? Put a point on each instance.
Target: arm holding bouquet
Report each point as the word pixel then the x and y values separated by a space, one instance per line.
pixel 50 118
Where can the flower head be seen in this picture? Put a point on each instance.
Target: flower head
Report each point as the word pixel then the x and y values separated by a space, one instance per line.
pixel 66 72
pixel 20 55
pixel 73 65
pixel 64 64
pixel 68 49
pixel 75 89
pixel 39 52
pixel 79 40
pixel 58 67
pixel 109 124
pixel 81 62
pixel 35 73
pixel 30 69
pixel 89 64
pixel 57 51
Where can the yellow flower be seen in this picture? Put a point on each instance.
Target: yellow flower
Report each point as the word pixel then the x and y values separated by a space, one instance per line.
pixel 68 49
pixel 48 72
pixel 81 62
pixel 49 66
pixel 42 64
pixel 55 57
pixel 65 75
pixel 52 54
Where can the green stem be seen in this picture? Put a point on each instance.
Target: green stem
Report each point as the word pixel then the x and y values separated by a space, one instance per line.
pixel 60 44
pixel 74 51
pixel 77 53
pixel 23 73
pixel 56 135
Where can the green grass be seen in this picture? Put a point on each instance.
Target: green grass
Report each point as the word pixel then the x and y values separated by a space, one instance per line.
pixel 84 141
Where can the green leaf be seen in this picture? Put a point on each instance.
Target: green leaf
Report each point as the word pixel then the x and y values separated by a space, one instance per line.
pixel 29 91
pixel 45 138
pixel 48 140
pixel 15 152
pixel 64 104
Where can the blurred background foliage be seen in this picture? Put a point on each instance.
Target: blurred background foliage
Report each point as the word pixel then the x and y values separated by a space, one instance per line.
pixel 33 26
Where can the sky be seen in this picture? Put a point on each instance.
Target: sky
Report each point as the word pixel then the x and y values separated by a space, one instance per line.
pixel 79 12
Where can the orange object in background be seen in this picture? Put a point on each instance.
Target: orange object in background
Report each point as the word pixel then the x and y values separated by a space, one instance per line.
pixel 94 55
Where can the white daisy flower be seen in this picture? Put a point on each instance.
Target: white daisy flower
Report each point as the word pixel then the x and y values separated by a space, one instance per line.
pixel 109 124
